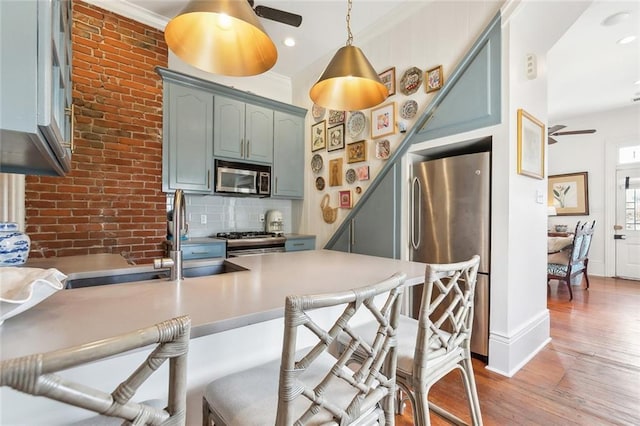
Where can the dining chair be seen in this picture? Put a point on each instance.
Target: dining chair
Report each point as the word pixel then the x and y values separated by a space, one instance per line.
pixel 576 259
pixel 36 375
pixel 438 342
pixel 311 386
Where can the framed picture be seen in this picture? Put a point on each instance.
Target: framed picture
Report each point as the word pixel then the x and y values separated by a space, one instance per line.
pixel 336 117
pixel 357 151
pixel 383 120
pixel 336 137
pixel 345 199
pixel 318 135
pixel 335 172
pixel 530 145
pixel 434 79
pixel 363 173
pixel 388 78
pixel 569 194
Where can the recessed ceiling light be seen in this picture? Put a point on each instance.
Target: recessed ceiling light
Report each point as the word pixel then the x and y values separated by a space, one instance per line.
pixel 615 19
pixel 289 41
pixel 627 39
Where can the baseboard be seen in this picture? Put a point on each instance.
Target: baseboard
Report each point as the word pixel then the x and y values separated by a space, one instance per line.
pixel 509 353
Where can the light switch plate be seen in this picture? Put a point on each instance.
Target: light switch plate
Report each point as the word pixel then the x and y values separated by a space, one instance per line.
pixel 539 197
pixel 203 219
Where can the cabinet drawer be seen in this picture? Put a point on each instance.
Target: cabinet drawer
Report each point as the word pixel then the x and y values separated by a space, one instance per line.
pixel 298 244
pixel 203 251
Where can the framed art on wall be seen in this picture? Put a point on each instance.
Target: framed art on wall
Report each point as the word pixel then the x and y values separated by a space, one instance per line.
pixel 434 79
pixel 357 151
pixel 335 172
pixel 345 199
pixel 383 120
pixel 569 194
pixel 336 137
pixel 388 78
pixel 530 145
pixel 318 135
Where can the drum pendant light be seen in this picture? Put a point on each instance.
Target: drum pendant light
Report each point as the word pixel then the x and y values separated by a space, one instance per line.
pixel 221 37
pixel 349 82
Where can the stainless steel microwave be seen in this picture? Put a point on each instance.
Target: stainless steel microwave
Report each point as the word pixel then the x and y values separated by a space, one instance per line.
pixel 242 178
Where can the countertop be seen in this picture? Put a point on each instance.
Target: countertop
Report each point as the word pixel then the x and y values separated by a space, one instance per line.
pixel 215 303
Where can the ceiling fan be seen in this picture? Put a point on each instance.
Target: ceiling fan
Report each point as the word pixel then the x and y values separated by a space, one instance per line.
pixel 277 15
pixel 555 131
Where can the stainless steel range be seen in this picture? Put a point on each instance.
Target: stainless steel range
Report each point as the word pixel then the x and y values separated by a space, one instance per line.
pixel 250 243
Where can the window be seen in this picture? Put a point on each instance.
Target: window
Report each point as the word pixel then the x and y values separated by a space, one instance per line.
pixel 632 207
pixel 629 154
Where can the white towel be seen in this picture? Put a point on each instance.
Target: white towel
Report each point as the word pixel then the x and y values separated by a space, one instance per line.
pixel 21 288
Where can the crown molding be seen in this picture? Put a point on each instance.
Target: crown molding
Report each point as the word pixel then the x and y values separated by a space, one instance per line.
pixel 132 11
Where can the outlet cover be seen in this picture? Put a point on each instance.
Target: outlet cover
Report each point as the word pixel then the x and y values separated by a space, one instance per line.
pixel 203 219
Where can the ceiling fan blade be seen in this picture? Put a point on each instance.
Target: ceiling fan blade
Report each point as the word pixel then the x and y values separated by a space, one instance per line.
pixel 551 140
pixel 574 132
pixel 555 128
pixel 278 15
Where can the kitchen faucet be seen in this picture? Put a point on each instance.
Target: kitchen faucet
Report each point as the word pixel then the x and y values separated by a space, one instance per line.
pixel 174 262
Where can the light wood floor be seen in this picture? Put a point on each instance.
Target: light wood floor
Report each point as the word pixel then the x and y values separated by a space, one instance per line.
pixel 588 375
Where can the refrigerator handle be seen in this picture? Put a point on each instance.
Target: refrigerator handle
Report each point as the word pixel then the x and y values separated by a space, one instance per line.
pixel 415 193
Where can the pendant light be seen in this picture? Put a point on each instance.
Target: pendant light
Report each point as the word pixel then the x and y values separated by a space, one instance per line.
pixel 349 82
pixel 221 37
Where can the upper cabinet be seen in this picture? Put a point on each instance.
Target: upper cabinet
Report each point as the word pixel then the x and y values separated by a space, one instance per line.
pixel 188 143
pixel 242 131
pixel 35 63
pixel 288 156
pixel 204 120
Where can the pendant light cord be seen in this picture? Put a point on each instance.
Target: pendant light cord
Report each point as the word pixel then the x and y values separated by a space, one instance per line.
pixel 349 35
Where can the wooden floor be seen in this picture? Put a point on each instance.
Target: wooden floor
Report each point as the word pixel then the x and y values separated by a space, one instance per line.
pixel 588 375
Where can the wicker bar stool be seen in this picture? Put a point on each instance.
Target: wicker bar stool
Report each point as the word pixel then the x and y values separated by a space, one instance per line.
pixel 311 386
pixel 35 375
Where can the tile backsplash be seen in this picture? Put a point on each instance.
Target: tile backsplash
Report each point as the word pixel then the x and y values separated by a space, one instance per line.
pixel 226 214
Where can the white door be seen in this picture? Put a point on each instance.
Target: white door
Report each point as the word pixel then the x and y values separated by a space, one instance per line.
pixel 627 231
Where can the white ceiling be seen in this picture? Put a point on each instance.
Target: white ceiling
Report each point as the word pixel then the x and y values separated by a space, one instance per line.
pixel 588 70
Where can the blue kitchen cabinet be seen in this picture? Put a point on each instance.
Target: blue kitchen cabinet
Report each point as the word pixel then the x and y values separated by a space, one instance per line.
pixel 187 148
pixel 300 242
pixel 36 103
pixel 203 250
pixel 288 156
pixel 242 131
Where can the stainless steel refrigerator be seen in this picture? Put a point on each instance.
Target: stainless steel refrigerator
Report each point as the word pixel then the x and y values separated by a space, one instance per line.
pixel 450 219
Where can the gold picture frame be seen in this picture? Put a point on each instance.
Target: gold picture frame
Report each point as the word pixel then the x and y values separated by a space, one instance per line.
pixel 388 78
pixel 335 172
pixel 383 120
pixel 531 135
pixel 433 79
pixel 319 135
pixel 357 151
pixel 569 194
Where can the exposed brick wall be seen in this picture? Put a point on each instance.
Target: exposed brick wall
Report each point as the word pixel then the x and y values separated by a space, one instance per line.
pixel 112 200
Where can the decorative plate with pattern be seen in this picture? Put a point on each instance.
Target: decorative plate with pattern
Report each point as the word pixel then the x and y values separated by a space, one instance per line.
pixel 411 81
pixel 350 176
pixel 316 163
pixel 318 112
pixel 356 124
pixel 409 109
pixel 319 183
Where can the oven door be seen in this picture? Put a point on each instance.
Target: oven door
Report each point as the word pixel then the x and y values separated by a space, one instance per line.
pixel 254 251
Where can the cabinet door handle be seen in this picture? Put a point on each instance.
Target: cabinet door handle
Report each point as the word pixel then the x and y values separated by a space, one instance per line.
pixel 248 155
pixel 241 147
pixel 415 210
pixel 275 191
pixel 209 179
pixel 298 244
pixel 353 232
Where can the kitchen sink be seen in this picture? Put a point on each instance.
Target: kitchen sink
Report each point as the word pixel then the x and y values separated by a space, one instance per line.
pixel 147 272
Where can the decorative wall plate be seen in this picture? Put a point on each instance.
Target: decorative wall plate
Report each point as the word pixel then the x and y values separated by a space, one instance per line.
pixel 316 163
pixel 383 149
pixel 318 112
pixel 409 109
pixel 350 176
pixel 411 81
pixel 319 183
pixel 356 124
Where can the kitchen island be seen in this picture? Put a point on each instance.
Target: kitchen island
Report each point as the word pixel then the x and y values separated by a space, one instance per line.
pixel 236 319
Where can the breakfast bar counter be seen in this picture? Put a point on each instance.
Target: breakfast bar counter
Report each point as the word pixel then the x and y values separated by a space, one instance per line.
pixel 236 317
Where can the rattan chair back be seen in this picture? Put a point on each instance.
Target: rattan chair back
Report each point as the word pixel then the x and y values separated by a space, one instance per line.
pixel 36 374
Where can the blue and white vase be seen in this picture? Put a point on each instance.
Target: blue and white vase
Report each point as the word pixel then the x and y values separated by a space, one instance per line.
pixel 14 245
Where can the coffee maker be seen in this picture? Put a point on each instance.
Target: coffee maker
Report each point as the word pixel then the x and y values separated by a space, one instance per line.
pixel 274 223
